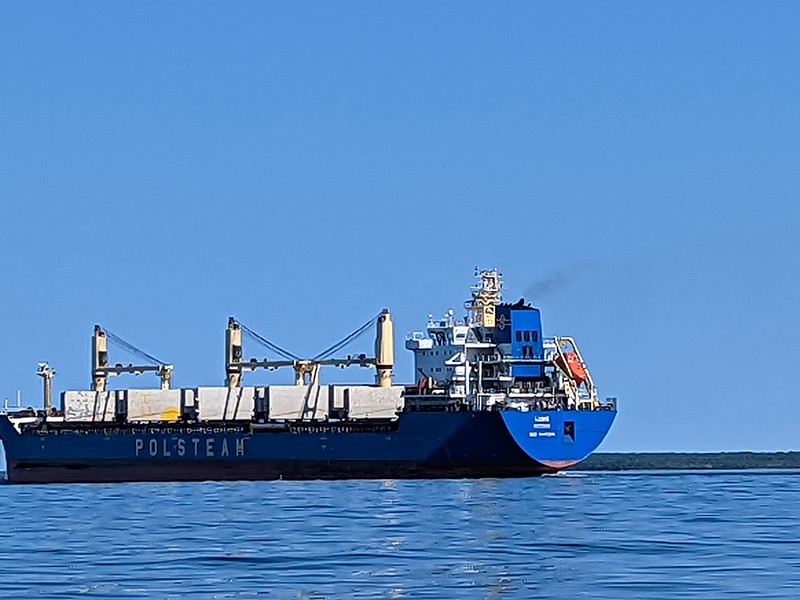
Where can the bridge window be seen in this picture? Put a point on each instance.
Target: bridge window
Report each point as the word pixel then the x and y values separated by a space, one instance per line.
pixel 527 336
pixel 569 430
pixel 519 336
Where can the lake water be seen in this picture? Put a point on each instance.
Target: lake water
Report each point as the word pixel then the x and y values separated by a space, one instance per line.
pixel 598 535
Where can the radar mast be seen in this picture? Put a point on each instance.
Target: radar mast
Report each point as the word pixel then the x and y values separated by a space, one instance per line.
pixel 485 297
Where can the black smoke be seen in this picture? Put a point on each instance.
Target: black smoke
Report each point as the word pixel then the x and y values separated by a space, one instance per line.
pixel 559 281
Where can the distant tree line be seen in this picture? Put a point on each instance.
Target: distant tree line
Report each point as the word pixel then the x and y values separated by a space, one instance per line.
pixel 668 461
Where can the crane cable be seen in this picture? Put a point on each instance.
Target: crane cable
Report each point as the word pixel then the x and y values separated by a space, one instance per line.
pixel 133 349
pixel 328 352
pixel 274 347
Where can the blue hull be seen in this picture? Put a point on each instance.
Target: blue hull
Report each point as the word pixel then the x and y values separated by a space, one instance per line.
pixel 417 445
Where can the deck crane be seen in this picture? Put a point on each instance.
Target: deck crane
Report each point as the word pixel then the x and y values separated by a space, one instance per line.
pixel 307 370
pixel 102 370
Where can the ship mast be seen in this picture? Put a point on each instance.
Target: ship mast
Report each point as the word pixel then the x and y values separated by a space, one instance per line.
pixel 46 372
pixel 485 298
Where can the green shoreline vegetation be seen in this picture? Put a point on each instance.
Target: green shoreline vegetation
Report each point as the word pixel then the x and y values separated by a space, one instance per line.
pixel 680 461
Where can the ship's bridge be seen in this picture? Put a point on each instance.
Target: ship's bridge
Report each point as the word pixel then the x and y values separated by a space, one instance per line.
pixel 497 354
pixel 442 353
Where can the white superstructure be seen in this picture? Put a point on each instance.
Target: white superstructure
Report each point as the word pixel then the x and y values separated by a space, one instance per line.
pixel 496 354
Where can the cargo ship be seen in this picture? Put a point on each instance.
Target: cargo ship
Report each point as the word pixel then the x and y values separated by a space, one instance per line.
pixel 491 397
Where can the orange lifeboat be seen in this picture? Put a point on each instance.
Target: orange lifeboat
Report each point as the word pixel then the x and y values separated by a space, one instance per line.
pixel 572 366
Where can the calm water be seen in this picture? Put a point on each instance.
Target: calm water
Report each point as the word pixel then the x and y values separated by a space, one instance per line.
pixel 578 536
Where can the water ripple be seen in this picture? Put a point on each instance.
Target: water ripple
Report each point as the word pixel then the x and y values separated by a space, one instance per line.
pixel 600 536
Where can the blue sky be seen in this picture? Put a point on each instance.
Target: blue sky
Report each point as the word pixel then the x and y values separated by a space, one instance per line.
pixel 302 165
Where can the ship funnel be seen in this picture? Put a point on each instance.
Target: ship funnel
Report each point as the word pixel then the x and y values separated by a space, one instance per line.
pixel 384 349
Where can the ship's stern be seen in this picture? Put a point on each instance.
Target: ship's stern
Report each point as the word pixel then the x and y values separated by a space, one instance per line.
pixel 558 439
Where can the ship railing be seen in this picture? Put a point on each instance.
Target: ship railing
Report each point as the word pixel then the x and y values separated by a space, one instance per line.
pixel 430 401
pixel 487 358
pixel 609 403
pixel 11 408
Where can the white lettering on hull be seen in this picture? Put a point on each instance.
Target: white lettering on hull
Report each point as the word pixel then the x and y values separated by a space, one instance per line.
pixel 189 447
